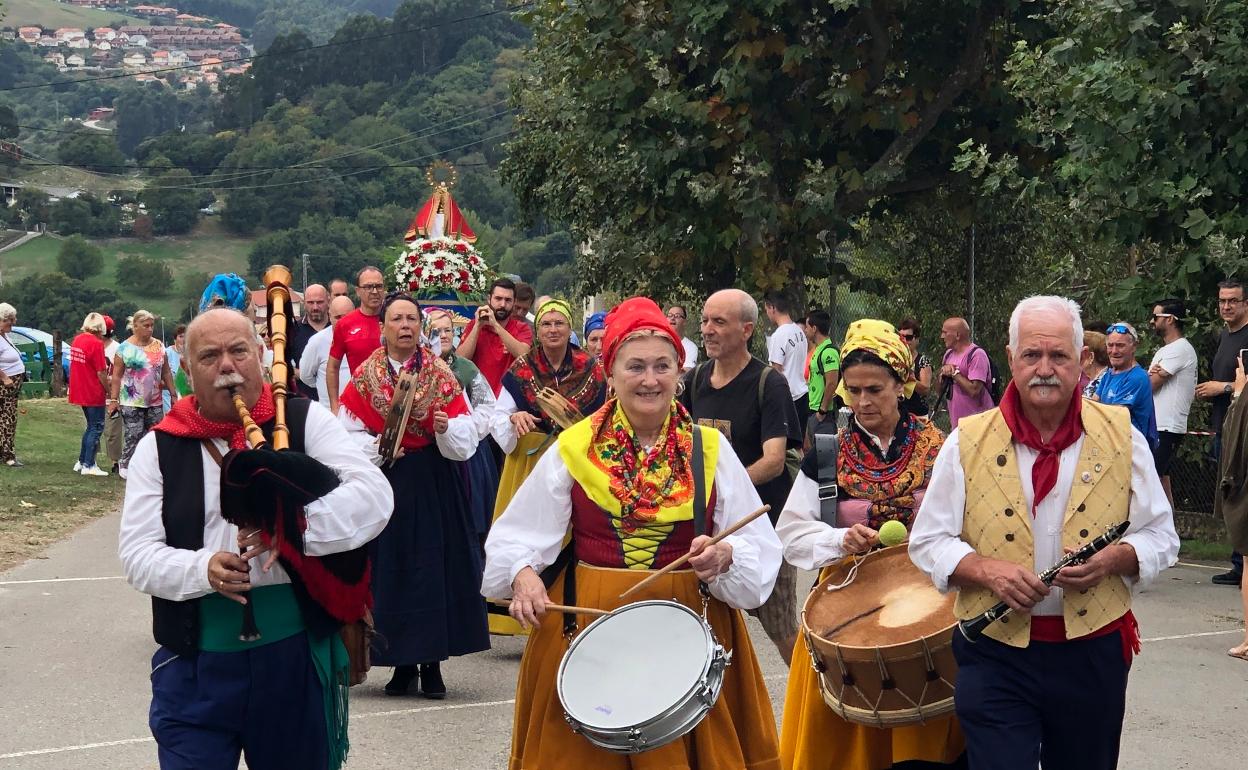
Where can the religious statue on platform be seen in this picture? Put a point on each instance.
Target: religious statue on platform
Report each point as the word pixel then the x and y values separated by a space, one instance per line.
pixel 440 216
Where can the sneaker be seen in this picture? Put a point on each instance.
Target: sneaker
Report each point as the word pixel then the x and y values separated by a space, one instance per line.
pixel 1228 578
pixel 93 470
pixel 77 466
pixel 14 463
pixel 121 472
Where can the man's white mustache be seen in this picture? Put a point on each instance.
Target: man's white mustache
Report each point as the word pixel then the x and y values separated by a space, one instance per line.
pixel 1037 382
pixel 231 380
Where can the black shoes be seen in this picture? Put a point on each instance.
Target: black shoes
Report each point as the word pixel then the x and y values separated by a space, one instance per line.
pixel 401 681
pixel 431 685
pixel 1228 578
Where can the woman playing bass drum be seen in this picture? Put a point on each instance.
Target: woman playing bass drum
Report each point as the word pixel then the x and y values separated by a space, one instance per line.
pixel 623 482
pixel 883 464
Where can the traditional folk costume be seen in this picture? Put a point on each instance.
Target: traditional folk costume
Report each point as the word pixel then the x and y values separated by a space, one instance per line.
pixel 480 471
pixel 580 379
pixel 427 562
pixel 1046 687
pixel 631 511
pixel 879 479
pixel 280 700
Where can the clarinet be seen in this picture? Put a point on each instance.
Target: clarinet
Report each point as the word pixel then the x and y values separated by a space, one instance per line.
pixel 974 627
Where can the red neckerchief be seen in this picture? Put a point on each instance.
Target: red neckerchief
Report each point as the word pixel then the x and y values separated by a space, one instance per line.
pixel 1044 472
pixel 185 420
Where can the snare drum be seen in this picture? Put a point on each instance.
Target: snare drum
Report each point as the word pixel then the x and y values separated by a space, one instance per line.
pixel 882 645
pixel 625 701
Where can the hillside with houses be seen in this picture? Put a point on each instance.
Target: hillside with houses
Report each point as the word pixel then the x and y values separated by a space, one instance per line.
pixel 179 50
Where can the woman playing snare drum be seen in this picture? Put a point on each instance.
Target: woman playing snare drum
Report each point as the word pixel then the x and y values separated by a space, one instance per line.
pixel 622 480
pixel 884 463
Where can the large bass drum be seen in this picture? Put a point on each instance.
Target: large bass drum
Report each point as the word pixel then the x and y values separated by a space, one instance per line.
pixel 880 638
pixel 628 702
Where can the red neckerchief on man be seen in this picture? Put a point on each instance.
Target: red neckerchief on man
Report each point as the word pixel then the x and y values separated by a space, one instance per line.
pixel 185 421
pixel 1044 471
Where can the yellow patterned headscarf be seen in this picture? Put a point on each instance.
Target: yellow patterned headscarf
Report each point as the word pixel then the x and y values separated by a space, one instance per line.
pixel 880 338
pixel 555 305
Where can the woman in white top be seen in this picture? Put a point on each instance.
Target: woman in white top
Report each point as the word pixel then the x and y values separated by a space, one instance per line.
pixel 12 375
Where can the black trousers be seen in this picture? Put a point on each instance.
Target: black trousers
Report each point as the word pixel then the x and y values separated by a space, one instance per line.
pixel 1059 705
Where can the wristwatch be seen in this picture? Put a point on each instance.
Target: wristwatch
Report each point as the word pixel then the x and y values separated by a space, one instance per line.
pixel 1227 388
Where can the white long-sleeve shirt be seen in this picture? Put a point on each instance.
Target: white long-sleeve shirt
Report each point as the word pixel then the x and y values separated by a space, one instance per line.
pixel 936 544
pixel 530 532
pixel 314 360
pixel 346 518
pixel 808 543
pixel 459 442
pixel 485 412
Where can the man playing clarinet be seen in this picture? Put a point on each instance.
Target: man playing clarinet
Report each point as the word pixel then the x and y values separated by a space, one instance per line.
pixel 279 699
pixel 1012 490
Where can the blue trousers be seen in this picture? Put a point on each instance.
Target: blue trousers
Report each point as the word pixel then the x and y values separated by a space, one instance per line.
pixel 264 703
pixel 91 436
pixel 1059 705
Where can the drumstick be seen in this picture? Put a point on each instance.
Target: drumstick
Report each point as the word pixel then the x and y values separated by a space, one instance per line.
pixel 681 561
pixel 566 608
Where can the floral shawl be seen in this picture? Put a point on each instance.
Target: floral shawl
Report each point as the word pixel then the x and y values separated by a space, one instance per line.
pixel 889 481
pixel 580 379
pixel 371 392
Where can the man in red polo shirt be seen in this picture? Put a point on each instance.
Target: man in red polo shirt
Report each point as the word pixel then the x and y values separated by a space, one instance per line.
pixel 495 339
pixel 357 333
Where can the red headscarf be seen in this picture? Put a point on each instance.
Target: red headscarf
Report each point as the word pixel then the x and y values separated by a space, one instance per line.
pixel 1044 472
pixel 636 314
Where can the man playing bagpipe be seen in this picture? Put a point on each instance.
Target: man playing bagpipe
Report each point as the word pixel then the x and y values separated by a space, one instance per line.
pixel 235 543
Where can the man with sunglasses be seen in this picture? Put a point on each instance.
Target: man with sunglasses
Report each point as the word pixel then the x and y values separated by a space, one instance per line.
pixel 358 333
pixel 1172 375
pixel 1126 383
pixel 1217 390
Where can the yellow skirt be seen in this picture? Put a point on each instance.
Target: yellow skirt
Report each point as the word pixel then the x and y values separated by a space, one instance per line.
pixel 516 468
pixel 814 737
pixel 738 732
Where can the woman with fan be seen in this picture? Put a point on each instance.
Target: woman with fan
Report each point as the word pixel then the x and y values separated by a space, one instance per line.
pixel 553 386
pixel 427 561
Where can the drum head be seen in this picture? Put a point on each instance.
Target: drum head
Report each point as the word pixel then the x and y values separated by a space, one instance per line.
pixel 630 667
pixel 889 602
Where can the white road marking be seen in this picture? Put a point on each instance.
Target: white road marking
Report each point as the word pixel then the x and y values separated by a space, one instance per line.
pixel 1202 566
pixel 63 749
pixel 58 580
pixel 425 709
pixel 1193 636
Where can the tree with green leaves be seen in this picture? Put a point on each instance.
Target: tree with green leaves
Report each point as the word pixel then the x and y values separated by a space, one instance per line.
pixel 79 259
pixel 715 143
pixel 146 276
pixel 1134 112
pixel 172 200
pixel 93 150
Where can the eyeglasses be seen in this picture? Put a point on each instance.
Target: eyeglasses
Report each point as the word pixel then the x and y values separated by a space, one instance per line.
pixel 1232 301
pixel 1121 329
pixel 676 316
pixel 373 287
pixel 1163 315
pixel 906 336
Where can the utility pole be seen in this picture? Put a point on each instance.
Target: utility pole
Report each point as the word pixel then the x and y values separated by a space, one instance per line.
pixel 305 272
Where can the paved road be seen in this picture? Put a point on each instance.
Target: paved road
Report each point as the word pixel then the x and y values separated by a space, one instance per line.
pixel 75 644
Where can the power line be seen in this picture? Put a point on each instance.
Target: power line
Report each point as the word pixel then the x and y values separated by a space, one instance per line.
pixel 269 54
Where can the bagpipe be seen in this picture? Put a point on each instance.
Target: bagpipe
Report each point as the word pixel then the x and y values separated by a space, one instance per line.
pixel 266 487
pixel 973 628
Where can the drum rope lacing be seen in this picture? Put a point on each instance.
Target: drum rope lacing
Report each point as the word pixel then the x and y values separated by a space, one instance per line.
pixel 853 572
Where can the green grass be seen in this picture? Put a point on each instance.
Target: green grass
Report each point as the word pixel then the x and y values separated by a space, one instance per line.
pixel 208 250
pixel 1204 550
pixel 51 14
pixel 45 500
